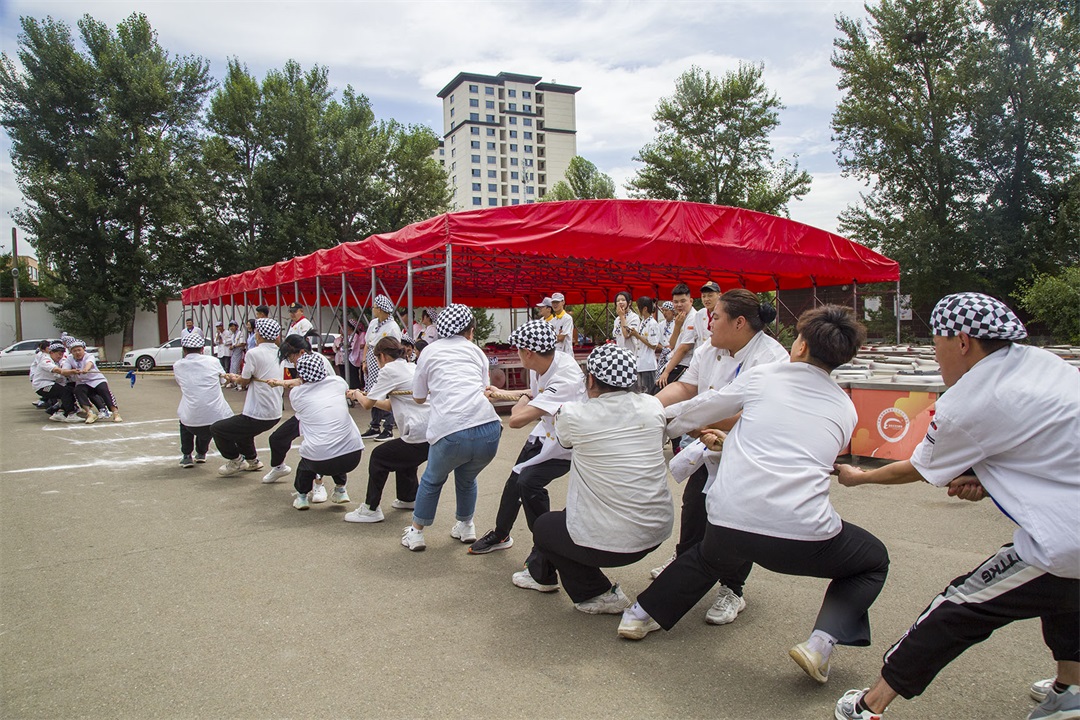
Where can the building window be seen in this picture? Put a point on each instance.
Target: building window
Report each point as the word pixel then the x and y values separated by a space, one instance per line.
pixel 513 121
pixel 529 189
pixel 514 188
pixel 512 93
pixel 451 98
pixel 453 152
pixel 474 131
pixel 513 147
pixel 489 104
pixel 473 102
pixel 492 187
pixel 512 107
pixel 474 144
pixel 491 132
pixel 475 158
pixel 513 161
pixel 475 200
pixel 492 174
pixel 451 112
pixel 489 118
pixel 489 91
pixel 528 148
pixel 513 133
pixel 493 201
pixel 527 121
pixel 528 135
pixel 476 172
pixel 476 187
pixel 528 162
pixel 491 146
pixel 474 88
pixel 514 175
pixel 454 180
pixel 490 159
pixel 527 108
pixel 475 117
pixel 526 94
pixel 515 201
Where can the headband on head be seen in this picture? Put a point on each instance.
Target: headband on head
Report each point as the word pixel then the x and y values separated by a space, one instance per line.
pixel 535 335
pixel 56 347
pixel 667 305
pixel 384 303
pixel 976 315
pixel 310 368
pixel 192 340
pixel 268 328
pixel 613 365
pixel 77 343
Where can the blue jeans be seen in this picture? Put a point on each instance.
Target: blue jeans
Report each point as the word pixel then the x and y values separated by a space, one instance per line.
pixel 465 453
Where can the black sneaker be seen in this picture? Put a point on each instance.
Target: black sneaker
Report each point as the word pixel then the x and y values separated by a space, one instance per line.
pixel 200 457
pixel 370 433
pixel 384 436
pixel 489 542
pixel 185 462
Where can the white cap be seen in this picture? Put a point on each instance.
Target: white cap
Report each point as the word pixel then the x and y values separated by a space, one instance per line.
pixel 546 302
pixel 558 297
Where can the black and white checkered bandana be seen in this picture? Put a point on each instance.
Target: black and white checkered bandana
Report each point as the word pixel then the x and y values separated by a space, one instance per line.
pixel 535 335
pixel 56 346
pixel 453 319
pixel 310 368
pixel 269 329
pixel 613 365
pixel 67 340
pixel 77 343
pixel 977 315
pixel 667 305
pixel 192 340
pixel 385 304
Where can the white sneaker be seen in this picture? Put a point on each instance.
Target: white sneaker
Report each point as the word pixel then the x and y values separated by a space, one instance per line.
pixel 91 417
pixel 104 414
pixel 116 418
pixel 58 417
pixel 72 418
pixel 300 502
pixel 340 495
pixel 403 505
pixel 231 467
pixel 811 661
pixel 276 473
pixel 413 539
pixel 726 608
pixel 633 629
pixel 318 494
pixel 613 602
pixel 364 514
pixel 655 572
pixel 253 465
pixel 1041 689
pixel 464 531
pixel 524 579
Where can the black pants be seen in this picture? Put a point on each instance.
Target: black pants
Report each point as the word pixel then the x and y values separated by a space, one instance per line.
pixel 1001 590
pixel 194 438
pixel 281 440
pixel 226 362
pixel 528 488
pixel 356 377
pixel 382 419
pixel 235 436
pixel 99 397
pixel 856 561
pixel 401 458
pixel 558 557
pixel 693 518
pixel 53 394
pixel 336 468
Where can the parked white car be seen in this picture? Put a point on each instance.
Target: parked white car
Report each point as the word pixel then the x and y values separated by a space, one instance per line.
pixel 16 358
pixel 146 359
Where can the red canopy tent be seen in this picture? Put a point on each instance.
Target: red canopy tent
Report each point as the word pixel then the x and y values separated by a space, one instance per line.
pixel 586 249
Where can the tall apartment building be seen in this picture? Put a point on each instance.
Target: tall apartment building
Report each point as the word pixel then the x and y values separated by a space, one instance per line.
pixel 507 138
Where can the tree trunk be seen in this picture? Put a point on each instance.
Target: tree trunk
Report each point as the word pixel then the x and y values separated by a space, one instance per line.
pixel 129 333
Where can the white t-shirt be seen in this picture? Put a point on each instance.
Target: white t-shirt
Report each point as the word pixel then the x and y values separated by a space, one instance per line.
pixel 562 383
pixel 563 325
pixel 300 327
pixel 223 346
pixel 612 504
pixel 411 417
pixel 695 332
pixel 430 334
pixel 201 400
pixel 327 427
pixel 453 374
pixel 87 372
pixel 42 375
pixel 1015 418
pixel 774 471
pixel 633 321
pixel 195 329
pixel 646 356
pixel 263 402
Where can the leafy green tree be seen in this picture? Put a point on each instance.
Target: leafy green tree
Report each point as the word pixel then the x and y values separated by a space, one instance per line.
pixel 1054 300
pixel 103 145
pixel 7 281
pixel 583 182
pixel 713 145
pixel 485 325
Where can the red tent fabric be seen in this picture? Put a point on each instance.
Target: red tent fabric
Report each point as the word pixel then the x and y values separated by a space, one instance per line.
pixel 586 249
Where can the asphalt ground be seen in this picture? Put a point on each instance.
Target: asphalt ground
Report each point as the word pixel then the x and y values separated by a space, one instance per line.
pixel 132 588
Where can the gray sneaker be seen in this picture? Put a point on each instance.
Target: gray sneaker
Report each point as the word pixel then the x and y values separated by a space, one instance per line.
pixel 1058 706
pixel 187 462
pixel 613 602
pixel 726 608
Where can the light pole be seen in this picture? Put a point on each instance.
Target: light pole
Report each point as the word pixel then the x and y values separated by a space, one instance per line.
pixel 15 277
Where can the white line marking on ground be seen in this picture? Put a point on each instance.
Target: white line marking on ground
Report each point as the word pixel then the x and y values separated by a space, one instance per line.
pixel 51 492
pixel 99 441
pixel 105 462
pixel 105 423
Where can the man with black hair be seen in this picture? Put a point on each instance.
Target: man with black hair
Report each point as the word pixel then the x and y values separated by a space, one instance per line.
pixel 201 401
pixel 770 502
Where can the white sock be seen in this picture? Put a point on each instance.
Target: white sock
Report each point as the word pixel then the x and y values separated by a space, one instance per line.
pixel 637 612
pixel 821 642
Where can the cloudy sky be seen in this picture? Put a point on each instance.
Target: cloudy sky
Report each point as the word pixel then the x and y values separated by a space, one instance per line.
pixel 624 55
